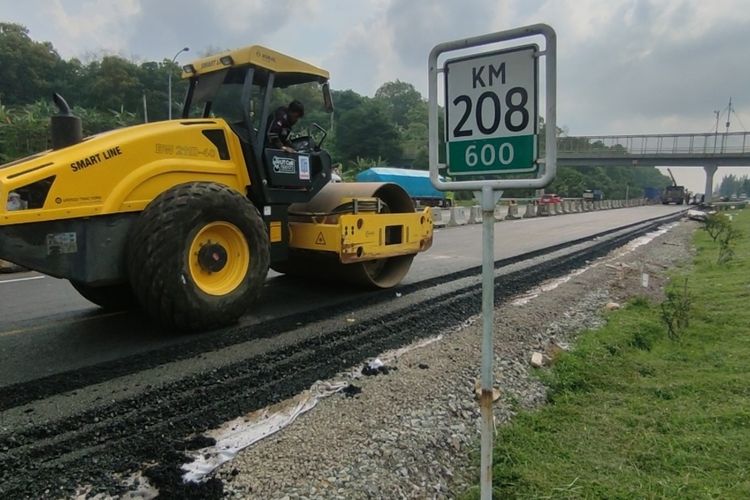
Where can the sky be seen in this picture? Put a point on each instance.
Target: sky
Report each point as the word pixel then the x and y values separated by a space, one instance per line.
pixel 624 66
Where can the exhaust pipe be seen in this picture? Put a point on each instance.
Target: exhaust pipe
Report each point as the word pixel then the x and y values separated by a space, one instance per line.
pixel 66 128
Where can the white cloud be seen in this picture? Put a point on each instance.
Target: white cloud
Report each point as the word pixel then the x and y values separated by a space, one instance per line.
pixel 625 66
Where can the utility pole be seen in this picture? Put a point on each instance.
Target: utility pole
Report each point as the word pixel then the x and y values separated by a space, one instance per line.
pixel 729 113
pixel 169 90
pixel 717 113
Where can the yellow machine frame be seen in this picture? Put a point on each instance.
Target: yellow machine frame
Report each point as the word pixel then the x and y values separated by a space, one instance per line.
pixel 366 236
pixel 84 199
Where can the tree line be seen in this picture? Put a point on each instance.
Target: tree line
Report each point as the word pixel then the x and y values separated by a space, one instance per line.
pixel 734 185
pixel 389 128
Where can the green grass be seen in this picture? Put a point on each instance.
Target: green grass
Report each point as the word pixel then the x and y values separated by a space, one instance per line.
pixel 633 414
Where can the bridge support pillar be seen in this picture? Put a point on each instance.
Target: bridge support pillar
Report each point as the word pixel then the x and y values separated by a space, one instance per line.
pixel 710 171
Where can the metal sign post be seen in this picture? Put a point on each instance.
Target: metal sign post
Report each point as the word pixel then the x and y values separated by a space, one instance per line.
pixel 491 118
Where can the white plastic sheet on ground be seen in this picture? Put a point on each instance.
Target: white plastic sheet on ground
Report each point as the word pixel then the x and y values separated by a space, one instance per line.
pixel 237 434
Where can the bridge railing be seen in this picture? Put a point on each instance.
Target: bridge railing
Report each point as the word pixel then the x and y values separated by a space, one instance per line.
pixel 671 144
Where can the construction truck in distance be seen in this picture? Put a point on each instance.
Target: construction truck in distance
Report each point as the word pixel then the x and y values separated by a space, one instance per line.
pixel 674 193
pixel 184 217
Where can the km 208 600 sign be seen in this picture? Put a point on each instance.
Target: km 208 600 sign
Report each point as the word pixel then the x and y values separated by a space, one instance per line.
pixel 491 112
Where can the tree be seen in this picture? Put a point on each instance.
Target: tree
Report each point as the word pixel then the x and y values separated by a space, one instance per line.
pixel 153 81
pixel 112 83
pixel 367 132
pixel 346 100
pixel 27 68
pixel 399 99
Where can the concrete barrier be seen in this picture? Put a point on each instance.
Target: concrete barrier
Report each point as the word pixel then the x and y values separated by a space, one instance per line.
pixel 530 211
pixel 475 214
pixel 512 212
pixel 566 207
pixel 501 211
pixel 543 210
pixel 458 216
pixel 557 209
pixel 438 219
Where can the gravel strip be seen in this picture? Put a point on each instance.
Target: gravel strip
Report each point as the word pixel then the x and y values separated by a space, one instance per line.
pixel 411 432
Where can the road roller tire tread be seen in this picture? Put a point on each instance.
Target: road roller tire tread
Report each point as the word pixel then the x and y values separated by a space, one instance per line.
pixel 158 256
pixel 109 297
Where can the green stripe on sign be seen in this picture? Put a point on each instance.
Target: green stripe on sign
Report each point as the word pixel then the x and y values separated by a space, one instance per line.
pixel 489 156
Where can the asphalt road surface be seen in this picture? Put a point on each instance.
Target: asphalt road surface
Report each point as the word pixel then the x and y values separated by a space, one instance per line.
pixel 46 327
pixel 86 397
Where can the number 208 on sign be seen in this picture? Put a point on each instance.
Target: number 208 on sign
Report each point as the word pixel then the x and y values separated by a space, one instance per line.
pixel 491 112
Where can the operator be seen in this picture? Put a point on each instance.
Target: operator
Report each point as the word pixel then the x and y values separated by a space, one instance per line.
pixel 281 124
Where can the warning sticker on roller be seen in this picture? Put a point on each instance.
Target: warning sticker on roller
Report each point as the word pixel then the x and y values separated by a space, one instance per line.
pixel 320 240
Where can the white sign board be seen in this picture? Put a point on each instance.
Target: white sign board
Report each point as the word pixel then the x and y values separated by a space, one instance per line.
pixel 491 112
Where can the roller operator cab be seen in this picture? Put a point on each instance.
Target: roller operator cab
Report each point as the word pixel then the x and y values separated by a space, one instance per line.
pixel 184 217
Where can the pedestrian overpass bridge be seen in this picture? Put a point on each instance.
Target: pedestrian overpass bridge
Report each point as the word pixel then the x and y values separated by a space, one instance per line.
pixel 709 151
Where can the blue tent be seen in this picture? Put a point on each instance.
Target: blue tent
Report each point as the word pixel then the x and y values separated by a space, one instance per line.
pixel 415 182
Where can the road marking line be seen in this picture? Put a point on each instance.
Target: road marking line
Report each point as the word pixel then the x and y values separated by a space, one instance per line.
pixel 16 280
pixel 62 323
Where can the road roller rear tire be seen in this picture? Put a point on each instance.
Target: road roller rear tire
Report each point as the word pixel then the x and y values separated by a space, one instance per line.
pixel 108 297
pixel 198 256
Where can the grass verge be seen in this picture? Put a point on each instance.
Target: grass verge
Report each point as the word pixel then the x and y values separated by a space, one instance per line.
pixel 635 414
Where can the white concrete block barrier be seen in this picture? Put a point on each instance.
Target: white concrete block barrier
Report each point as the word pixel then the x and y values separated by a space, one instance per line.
pixel 458 216
pixel 512 212
pixel 501 211
pixel 530 211
pixel 543 210
pixel 438 219
pixel 475 214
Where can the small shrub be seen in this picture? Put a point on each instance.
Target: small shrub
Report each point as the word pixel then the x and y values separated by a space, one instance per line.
pixel 727 240
pixel 675 310
pixel 716 224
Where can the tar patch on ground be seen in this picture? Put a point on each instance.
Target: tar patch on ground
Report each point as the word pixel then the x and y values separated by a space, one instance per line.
pixel 351 390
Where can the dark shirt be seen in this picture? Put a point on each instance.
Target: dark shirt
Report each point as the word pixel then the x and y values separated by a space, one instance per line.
pixel 279 129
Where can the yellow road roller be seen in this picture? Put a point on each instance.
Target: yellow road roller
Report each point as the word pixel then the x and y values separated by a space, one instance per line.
pixel 184 217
